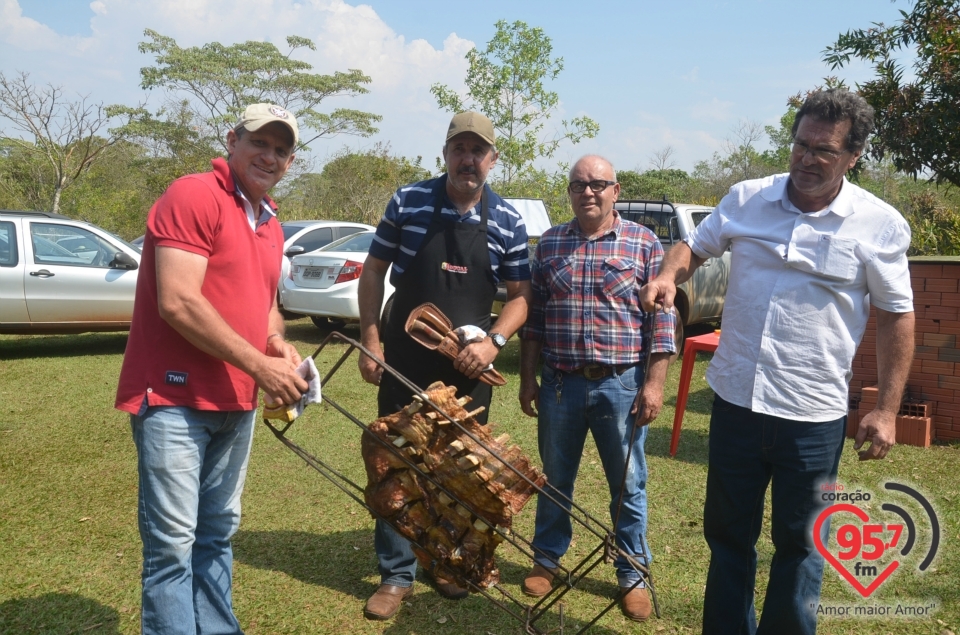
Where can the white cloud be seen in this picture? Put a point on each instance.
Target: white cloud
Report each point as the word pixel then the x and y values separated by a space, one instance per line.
pixel 692 76
pixel 26 36
pixel 106 64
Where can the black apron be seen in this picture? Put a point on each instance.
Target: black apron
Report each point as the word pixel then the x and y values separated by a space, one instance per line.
pixel 464 292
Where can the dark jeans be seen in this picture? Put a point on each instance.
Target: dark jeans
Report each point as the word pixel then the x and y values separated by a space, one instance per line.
pixel 747 451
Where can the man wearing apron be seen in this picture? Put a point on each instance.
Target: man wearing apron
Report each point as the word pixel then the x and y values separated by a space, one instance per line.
pixel 450 241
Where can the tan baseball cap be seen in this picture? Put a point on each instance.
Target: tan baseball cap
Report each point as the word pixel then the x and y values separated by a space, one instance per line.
pixel 472 122
pixel 258 115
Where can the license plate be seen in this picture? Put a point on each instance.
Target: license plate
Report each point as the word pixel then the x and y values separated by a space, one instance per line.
pixel 314 272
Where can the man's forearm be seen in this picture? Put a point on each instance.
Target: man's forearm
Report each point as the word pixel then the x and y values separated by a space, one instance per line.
pixel 895 351
pixel 370 291
pixel 529 358
pixel 679 263
pixel 657 373
pixel 199 322
pixel 515 310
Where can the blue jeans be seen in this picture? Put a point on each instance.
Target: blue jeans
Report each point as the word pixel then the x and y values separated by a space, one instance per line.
pixel 747 452
pixel 191 464
pixel 570 405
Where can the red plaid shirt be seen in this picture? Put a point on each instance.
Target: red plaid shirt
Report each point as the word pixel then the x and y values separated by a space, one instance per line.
pixel 586 304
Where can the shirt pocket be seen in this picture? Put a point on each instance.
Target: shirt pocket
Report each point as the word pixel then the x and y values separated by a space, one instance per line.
pixel 837 257
pixel 823 254
pixel 619 278
pixel 558 274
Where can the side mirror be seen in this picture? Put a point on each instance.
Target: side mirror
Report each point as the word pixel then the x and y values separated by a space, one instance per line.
pixel 293 251
pixel 123 260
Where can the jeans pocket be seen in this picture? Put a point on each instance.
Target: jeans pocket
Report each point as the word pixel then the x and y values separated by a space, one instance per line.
pixel 630 379
pixel 548 375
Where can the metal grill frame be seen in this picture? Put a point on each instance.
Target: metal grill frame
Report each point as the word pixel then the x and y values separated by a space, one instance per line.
pixel 527 614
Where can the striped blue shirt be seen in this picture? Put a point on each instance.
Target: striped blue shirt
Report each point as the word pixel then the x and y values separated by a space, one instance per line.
pixel 407 217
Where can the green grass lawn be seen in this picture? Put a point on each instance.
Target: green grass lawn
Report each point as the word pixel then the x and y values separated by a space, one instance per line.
pixel 304 561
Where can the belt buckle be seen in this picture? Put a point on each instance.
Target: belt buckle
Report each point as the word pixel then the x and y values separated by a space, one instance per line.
pixel 594 372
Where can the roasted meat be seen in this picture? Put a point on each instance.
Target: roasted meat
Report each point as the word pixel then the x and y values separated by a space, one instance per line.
pixel 459 492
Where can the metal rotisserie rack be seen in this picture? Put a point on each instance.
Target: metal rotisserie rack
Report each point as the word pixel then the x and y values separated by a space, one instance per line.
pixel 452 530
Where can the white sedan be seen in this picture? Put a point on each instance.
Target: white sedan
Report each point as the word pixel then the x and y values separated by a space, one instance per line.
pixel 324 283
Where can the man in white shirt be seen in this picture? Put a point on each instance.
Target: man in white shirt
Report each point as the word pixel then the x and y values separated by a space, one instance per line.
pixel 810 253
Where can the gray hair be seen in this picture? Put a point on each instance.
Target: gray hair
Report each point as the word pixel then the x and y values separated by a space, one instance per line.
pixel 839 104
pixel 592 156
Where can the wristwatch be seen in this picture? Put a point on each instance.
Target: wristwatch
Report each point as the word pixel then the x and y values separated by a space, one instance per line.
pixel 498 340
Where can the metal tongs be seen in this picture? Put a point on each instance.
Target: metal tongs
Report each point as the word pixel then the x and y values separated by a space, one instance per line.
pixel 429 326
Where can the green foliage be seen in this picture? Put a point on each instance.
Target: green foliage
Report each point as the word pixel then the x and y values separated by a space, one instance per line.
pixel 672 184
pixel 62 134
pixel 220 81
pixel 26 180
pixel 352 186
pixel 740 161
pixel 918 122
pixel 782 140
pixel 506 83
pixel 534 183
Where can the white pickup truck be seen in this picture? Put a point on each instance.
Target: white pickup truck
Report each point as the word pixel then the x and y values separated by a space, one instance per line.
pixel 699 299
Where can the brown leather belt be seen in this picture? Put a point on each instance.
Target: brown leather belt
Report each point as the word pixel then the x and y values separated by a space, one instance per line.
pixel 594 372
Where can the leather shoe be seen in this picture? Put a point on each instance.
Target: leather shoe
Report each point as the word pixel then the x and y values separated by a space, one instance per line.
pixel 539 581
pixel 385 603
pixel 448 589
pixel 635 604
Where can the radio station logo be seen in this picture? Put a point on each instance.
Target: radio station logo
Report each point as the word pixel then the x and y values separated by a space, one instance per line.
pixel 868 547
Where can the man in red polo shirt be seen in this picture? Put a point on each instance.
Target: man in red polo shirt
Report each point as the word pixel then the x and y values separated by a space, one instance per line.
pixel 206 333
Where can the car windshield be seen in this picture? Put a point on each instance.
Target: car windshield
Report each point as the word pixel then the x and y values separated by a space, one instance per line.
pixel 355 243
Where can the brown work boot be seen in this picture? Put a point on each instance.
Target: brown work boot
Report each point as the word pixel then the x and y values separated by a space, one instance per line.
pixel 539 581
pixel 449 589
pixel 635 604
pixel 385 603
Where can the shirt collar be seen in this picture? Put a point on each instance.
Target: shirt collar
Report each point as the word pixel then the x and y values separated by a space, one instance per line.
pixel 842 205
pixel 573 227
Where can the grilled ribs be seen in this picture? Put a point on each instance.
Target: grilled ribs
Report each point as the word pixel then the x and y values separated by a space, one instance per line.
pixel 449 539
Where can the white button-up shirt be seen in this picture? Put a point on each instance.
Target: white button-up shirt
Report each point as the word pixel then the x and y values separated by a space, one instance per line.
pixel 799 293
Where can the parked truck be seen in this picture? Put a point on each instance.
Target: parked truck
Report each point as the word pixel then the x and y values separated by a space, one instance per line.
pixel 699 299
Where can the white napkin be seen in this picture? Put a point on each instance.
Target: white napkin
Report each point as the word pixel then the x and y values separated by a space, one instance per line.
pixel 288 412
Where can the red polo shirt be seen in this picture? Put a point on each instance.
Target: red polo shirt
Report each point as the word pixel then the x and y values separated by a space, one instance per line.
pixel 202 214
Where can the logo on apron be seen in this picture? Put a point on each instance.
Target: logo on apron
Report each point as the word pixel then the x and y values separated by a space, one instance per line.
pixel 446 266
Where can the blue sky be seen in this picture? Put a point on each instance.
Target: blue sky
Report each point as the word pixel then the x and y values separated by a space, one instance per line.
pixel 652 74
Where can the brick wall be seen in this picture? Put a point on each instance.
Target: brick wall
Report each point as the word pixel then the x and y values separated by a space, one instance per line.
pixel 935 374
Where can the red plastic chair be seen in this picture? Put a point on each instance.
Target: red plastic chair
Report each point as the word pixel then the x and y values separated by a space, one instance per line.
pixel 707 343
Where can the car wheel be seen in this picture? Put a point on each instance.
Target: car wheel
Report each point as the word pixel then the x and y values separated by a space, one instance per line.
pixel 326 324
pixel 385 316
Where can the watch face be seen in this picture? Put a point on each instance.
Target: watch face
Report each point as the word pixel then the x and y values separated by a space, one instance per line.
pixel 498 340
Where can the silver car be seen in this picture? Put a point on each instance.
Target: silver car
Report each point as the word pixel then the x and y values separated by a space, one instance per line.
pixel 60 275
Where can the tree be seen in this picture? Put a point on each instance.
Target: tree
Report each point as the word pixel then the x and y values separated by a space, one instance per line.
pixel 739 162
pixel 506 83
pixel 654 184
pixel 353 186
pixel 220 81
pixel 174 142
pixel 918 122
pixel 662 159
pixel 61 132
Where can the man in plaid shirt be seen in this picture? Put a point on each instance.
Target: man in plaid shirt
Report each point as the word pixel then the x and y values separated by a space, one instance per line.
pixel 586 323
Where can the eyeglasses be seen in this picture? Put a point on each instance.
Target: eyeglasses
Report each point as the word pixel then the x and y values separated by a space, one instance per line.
pixel 579 187
pixel 819 154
